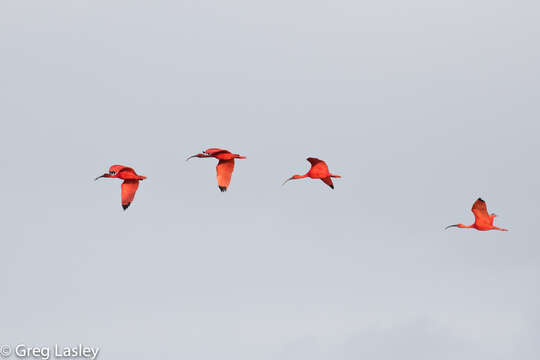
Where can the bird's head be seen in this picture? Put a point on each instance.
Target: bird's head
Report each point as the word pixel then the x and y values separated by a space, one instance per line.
pixel 199 155
pixel 294 177
pixel 456 225
pixel 113 171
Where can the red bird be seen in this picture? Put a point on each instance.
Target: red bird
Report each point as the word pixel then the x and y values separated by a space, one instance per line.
pixel 130 184
pixel 483 221
pixel 319 170
pixel 224 167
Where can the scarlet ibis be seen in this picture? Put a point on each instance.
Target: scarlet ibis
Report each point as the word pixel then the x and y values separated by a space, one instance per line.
pixel 224 167
pixel 130 184
pixel 319 170
pixel 483 221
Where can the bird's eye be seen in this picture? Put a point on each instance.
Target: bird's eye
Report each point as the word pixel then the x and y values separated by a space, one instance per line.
pixel 112 172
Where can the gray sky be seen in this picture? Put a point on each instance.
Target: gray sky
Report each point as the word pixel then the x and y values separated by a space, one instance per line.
pixel 421 106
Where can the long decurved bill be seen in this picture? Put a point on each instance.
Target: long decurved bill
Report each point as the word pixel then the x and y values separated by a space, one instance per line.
pixel 449 226
pixel 192 156
pixel 292 177
pixel 99 177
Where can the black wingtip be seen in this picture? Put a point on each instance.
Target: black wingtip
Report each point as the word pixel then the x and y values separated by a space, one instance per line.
pixel 222 188
pixel 480 199
pixel 125 206
pixel 332 186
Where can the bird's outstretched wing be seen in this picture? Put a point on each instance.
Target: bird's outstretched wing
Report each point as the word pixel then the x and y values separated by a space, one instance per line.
pixel 215 151
pixel 127 170
pixel 121 168
pixel 480 212
pixel 314 161
pixel 319 169
pixel 224 171
pixel 328 181
pixel 129 187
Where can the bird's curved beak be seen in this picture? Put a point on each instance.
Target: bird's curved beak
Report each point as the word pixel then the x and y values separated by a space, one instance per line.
pixel 449 226
pixel 292 177
pixel 99 177
pixel 192 156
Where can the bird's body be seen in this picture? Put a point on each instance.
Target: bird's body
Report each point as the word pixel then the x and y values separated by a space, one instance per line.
pixel 225 166
pixel 130 184
pixel 318 170
pixel 483 220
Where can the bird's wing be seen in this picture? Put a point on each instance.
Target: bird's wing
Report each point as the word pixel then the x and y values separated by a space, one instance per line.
pixel 215 151
pixel 126 169
pixel 319 169
pixel 314 161
pixel 480 212
pixel 328 181
pixel 224 171
pixel 129 187
pixel 118 168
pixel 127 173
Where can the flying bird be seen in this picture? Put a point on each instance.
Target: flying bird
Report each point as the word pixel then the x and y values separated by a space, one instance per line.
pixel 224 167
pixel 130 184
pixel 319 170
pixel 483 221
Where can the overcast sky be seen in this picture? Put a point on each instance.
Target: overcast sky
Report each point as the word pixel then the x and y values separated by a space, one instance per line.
pixel 422 106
